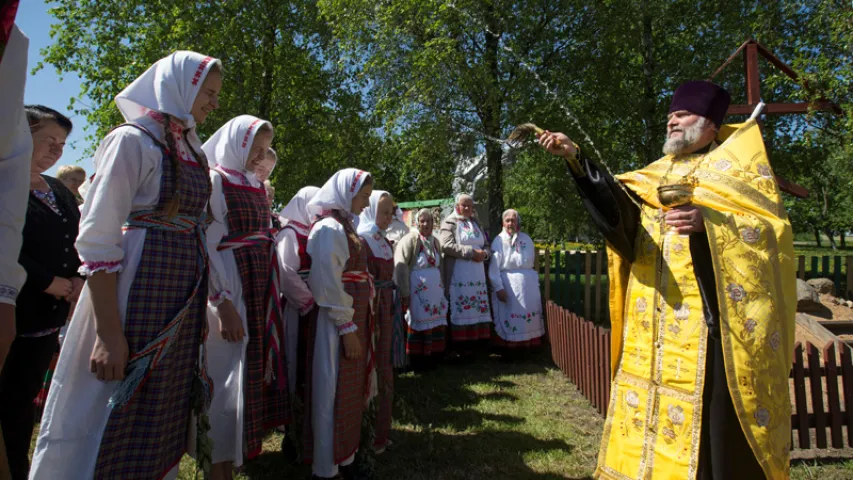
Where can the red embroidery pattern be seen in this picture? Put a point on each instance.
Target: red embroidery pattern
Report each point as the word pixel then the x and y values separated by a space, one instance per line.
pixel 355 180
pixel 200 69
pixel 249 132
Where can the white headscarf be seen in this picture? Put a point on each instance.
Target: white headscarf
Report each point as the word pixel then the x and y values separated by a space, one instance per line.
pixel 338 191
pixel 367 220
pixel 169 86
pixel 512 238
pixel 229 147
pixel 295 213
pixel 372 234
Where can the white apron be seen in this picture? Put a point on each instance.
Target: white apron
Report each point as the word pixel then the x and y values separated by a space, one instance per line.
pixel 511 269
pixel 427 304
pixel 520 318
pixel 469 294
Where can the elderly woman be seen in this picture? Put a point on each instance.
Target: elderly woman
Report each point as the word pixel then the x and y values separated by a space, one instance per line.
pixel 50 259
pixel 515 287
pixel 465 249
pixel 72 176
pixel 418 269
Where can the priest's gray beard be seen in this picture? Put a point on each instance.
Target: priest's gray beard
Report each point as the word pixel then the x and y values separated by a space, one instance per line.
pixel 690 135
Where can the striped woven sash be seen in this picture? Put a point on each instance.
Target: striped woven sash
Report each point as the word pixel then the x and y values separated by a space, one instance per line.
pixel 141 363
pixel 274 356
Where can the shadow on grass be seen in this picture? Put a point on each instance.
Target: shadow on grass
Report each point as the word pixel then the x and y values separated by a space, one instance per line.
pixel 447 428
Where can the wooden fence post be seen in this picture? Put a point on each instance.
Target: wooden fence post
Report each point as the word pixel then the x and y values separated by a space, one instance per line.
pixel 802 416
pixel 587 287
pixel 847 383
pixel 816 384
pixel 836 278
pixel 801 267
pixel 598 286
pixel 849 292
pixel 831 369
pixel 547 275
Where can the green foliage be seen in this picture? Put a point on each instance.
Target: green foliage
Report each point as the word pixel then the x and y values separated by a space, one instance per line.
pixel 406 88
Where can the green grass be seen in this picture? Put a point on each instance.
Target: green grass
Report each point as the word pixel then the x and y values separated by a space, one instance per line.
pixel 812 250
pixel 489 420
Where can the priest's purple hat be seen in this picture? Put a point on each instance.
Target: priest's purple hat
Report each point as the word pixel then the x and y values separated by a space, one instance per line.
pixel 702 98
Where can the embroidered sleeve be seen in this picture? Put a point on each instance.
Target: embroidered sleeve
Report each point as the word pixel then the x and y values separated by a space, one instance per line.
pixel 329 250
pixel 294 288
pixel 219 287
pixel 123 161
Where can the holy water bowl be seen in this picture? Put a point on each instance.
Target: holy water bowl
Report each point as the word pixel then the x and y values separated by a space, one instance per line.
pixel 675 195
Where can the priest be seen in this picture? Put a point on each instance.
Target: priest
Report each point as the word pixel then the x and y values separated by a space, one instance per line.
pixel 702 300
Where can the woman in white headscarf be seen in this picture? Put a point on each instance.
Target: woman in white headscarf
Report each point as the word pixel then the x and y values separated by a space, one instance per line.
pixel 338 340
pixel 299 307
pixel 466 248
pixel 398 228
pixel 246 363
pixel 131 375
pixel 375 219
pixel 419 273
pixel 515 287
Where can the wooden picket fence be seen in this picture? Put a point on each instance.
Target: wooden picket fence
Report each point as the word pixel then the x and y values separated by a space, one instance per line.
pixel 577 280
pixel 827 403
pixel 582 352
pixel 821 380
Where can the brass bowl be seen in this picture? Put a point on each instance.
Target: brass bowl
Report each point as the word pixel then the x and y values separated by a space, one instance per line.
pixel 675 195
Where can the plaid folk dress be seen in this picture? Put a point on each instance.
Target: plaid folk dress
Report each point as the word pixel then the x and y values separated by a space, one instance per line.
pixel 148 436
pixel 352 374
pixel 264 405
pixel 383 272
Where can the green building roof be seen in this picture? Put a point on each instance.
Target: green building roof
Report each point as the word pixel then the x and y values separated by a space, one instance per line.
pixel 425 203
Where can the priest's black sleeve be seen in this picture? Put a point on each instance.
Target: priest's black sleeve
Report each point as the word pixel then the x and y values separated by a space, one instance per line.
pixel 610 207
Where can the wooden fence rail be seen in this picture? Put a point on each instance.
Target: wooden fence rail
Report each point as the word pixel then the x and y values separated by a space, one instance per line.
pixel 821 380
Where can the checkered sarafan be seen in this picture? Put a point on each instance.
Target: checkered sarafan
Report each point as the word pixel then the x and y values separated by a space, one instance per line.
pixel 148 436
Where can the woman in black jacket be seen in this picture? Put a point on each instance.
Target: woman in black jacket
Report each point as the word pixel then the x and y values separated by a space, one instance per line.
pixel 50 259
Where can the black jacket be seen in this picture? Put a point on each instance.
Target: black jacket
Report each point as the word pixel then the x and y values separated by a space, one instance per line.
pixel 47 251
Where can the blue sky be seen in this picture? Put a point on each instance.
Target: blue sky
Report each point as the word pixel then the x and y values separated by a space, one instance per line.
pixel 45 88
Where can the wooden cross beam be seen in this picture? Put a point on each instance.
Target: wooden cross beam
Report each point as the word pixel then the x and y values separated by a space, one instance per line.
pixel 751 49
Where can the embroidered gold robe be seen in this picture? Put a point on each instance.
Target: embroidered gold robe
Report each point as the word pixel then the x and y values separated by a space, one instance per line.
pixel 654 419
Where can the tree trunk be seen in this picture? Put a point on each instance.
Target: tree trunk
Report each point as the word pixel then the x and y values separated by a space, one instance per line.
pixel 649 92
pixel 491 117
pixel 817 236
pixel 831 236
pixel 843 238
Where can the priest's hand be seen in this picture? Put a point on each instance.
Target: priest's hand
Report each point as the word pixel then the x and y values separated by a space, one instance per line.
pixel 686 219
pixel 479 255
pixel 501 294
pixel 558 144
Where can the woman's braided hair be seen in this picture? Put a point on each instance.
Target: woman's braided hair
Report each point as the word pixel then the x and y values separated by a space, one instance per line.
pixel 174 205
pixel 343 217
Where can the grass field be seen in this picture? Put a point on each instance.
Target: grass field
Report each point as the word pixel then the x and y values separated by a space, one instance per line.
pixel 489 420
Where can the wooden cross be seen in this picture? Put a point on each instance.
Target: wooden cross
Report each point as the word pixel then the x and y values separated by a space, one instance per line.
pixel 751 50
